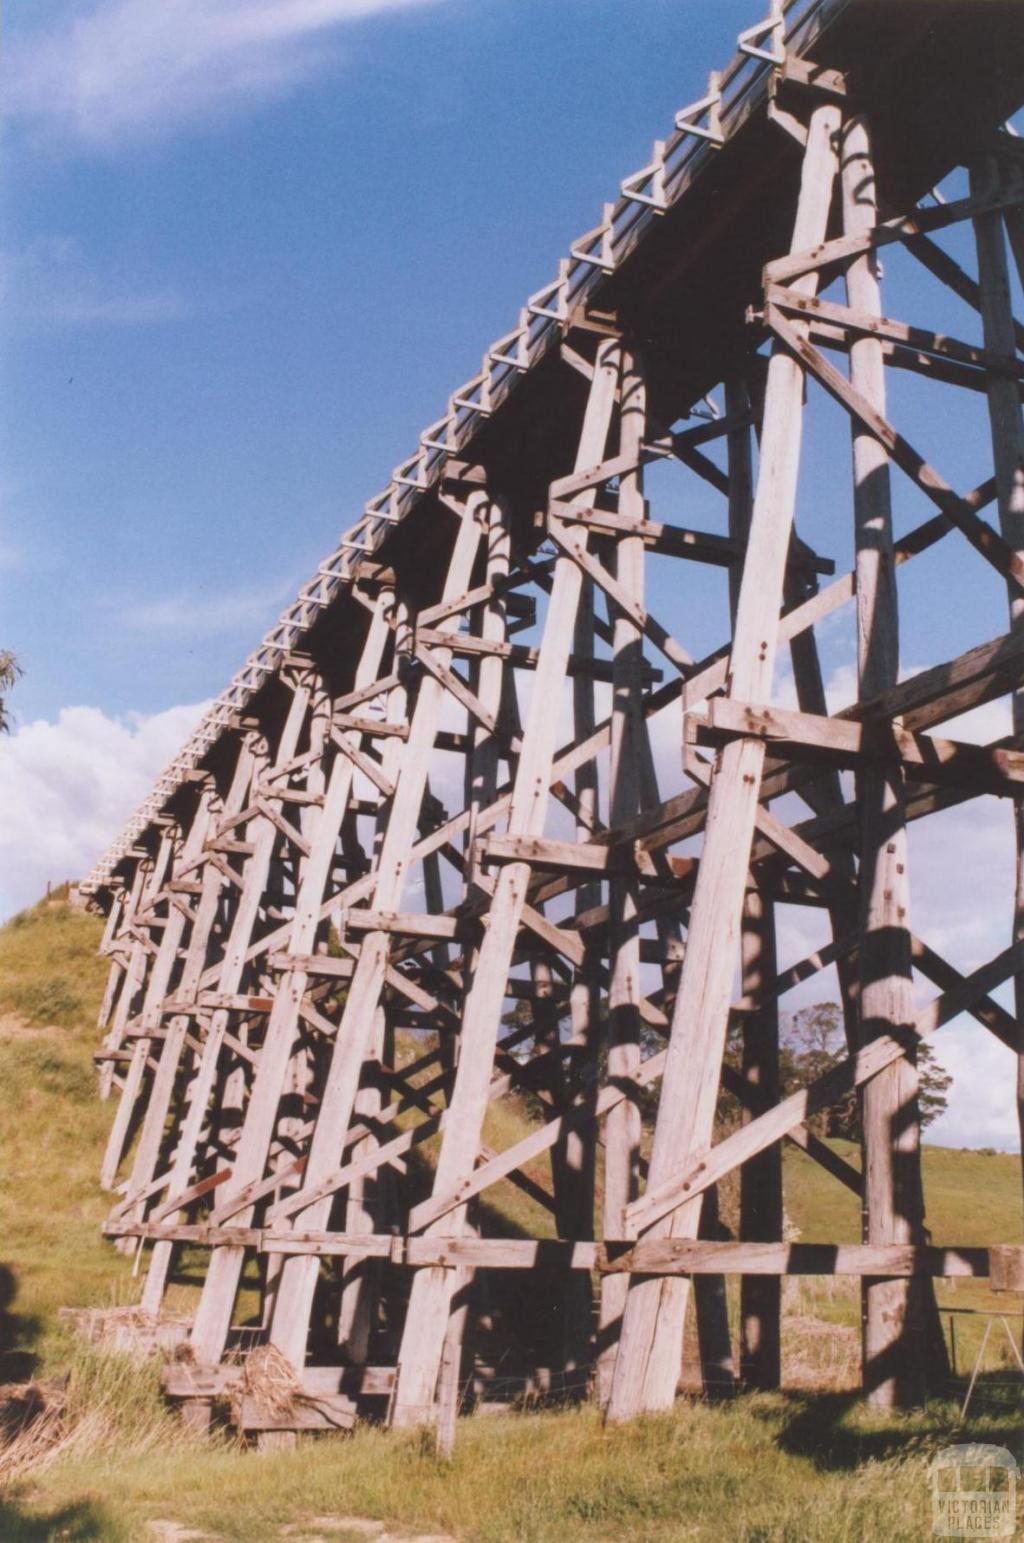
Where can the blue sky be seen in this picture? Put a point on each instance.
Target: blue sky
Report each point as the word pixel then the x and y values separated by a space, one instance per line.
pixel 236 300
pixel 250 247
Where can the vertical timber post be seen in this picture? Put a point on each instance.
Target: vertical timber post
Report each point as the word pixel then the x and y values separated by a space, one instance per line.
pixel 360 1278
pixel 646 1369
pixel 289 1330
pixel 247 768
pixel 761 1177
pixel 152 1131
pixel 622 1124
pixel 492 678
pixel 109 947
pixel 429 1302
pixel 213 1315
pixel 141 969
pixel 1008 455
pixel 894 1346
pixel 574 1158
pixel 149 876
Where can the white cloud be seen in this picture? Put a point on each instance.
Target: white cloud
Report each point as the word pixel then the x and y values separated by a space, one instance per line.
pixel 67 789
pixel 50 280
pixel 97 74
pixel 982 1107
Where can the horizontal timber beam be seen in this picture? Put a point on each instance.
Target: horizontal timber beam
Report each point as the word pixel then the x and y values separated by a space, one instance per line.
pixel 923 758
pixel 653 1256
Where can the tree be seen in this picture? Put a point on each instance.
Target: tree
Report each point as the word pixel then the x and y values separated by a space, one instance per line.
pixel 9 672
pixel 817 1031
pixel 933 1083
pixel 814 1041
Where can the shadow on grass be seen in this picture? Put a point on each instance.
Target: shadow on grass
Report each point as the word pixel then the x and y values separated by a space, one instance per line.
pixel 18 1334
pixel 837 1433
pixel 80 1522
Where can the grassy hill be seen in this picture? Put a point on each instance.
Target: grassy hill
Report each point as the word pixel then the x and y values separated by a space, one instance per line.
pixel 791 1466
pixel 970 1198
pixel 52 1130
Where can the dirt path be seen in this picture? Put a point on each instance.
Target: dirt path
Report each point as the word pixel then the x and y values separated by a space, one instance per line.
pixel 15 1027
pixel 312 1529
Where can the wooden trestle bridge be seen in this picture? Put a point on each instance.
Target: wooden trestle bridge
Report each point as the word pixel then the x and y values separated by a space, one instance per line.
pixel 484 822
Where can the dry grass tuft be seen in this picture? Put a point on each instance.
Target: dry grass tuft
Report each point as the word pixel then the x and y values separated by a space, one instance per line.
pixel 269 1380
pixel 108 1403
pixel 32 1427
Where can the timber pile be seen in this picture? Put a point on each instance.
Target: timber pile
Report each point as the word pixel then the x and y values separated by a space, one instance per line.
pixel 429 809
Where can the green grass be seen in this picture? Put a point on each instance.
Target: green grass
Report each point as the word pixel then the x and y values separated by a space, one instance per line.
pixel 786 1467
pixel 767 1468
pixel 52 1130
pixel 970 1199
pixel 50 971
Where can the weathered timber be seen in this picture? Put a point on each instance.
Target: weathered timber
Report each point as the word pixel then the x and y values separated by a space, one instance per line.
pixel 651 1337
pixel 460 882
